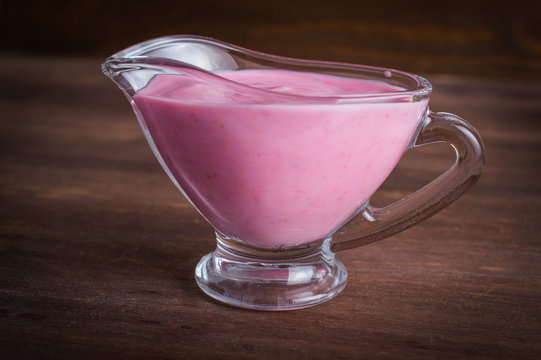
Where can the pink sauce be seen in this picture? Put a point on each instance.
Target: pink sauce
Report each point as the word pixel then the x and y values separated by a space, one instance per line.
pixel 269 167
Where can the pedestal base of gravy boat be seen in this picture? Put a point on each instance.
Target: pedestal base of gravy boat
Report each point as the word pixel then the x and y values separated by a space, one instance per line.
pixel 306 277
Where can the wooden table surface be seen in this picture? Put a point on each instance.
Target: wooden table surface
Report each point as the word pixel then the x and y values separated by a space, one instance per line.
pixel 98 249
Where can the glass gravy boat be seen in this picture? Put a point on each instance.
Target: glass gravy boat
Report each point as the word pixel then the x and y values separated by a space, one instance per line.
pixel 284 173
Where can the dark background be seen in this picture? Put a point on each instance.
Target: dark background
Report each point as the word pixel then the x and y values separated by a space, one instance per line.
pixel 479 38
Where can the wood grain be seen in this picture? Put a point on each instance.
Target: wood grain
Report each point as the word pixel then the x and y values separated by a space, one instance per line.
pixel 98 249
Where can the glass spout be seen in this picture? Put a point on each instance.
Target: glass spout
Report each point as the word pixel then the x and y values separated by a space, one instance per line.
pixel 133 68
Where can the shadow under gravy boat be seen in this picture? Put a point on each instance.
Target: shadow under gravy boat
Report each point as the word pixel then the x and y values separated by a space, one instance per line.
pixel 284 172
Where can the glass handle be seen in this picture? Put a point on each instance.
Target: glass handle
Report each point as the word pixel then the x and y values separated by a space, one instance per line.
pixel 373 224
